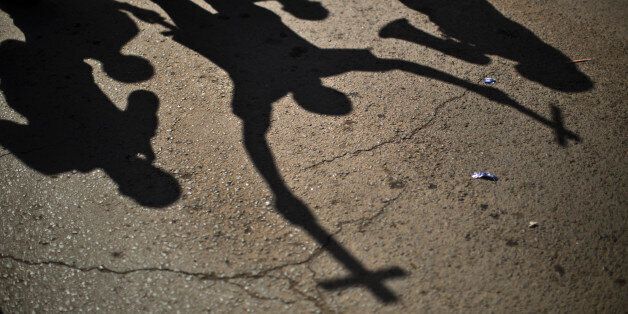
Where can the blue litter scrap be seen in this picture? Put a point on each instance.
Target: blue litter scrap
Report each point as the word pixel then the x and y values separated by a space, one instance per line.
pixel 485 176
pixel 489 81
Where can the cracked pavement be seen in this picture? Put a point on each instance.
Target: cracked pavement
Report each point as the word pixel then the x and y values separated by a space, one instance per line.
pixel 389 183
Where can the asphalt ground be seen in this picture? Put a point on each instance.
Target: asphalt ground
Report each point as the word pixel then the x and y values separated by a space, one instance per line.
pixel 295 156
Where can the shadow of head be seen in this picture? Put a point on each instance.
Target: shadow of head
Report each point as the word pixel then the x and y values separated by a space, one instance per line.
pixel 143 182
pixel 305 9
pixel 142 102
pixel 322 100
pixel 128 69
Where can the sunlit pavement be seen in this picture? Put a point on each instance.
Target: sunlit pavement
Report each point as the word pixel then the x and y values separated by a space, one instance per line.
pixel 297 156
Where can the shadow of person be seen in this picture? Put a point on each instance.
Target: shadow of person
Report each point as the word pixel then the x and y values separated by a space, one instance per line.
pixel 474 29
pixel 266 61
pixel 72 124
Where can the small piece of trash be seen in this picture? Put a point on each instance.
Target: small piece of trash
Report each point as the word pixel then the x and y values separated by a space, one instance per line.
pixel 581 60
pixel 533 224
pixel 484 175
pixel 489 80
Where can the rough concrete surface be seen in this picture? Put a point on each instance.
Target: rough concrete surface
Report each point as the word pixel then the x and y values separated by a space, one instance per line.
pixel 295 156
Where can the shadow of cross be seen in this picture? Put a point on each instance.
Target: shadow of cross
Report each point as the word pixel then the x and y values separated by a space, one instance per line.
pixel 562 134
pixel 372 280
pixel 556 123
pixel 360 276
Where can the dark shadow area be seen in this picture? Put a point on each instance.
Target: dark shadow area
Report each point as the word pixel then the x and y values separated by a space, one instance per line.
pixel 474 29
pixel 72 124
pixel 266 61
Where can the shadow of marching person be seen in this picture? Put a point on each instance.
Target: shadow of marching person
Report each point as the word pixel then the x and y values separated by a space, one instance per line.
pixel 266 61
pixel 475 29
pixel 71 123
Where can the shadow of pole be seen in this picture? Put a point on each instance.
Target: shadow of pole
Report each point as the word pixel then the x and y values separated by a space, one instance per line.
pixel 297 213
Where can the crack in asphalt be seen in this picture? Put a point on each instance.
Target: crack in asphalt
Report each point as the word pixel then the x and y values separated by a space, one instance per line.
pixel 200 275
pixel 394 139
pixel 363 222
pixel 258 296
pixel 210 276
pixel 318 301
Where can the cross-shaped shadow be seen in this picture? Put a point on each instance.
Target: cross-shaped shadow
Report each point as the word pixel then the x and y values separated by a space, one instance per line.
pixel 371 280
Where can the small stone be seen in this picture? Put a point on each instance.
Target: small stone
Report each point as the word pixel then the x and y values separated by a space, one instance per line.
pixel 8 265
pixel 512 242
pixel 116 254
pixel 533 224
pixel 396 184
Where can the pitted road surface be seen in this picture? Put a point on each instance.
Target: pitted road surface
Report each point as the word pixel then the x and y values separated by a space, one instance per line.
pixel 295 156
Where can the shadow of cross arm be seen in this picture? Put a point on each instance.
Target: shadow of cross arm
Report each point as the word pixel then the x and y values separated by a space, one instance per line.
pixel 360 276
pixel 371 280
pixel 556 123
